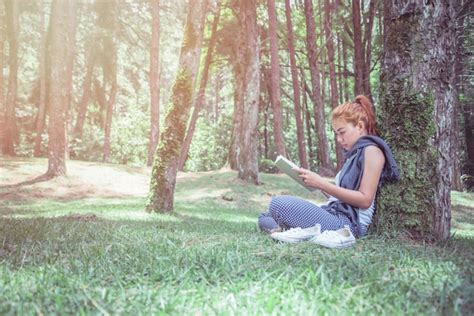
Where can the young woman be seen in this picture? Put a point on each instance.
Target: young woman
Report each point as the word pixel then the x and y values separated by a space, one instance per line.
pixel 369 163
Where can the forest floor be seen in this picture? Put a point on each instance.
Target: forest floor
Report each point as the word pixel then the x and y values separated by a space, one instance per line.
pixel 83 244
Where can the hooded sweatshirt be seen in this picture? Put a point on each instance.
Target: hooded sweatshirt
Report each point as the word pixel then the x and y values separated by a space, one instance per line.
pixel 352 171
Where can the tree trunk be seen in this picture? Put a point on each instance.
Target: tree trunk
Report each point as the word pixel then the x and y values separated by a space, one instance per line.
pixel 332 72
pixel 70 58
pixel 296 89
pixel 201 94
pixel 459 141
pixel 358 49
pixel 154 80
pixel 11 131
pixel 58 95
pixel 247 77
pixel 2 96
pixel 275 79
pixel 108 119
pixel 40 117
pixel 164 171
pixel 367 44
pixel 86 91
pixel 417 103
pixel 323 150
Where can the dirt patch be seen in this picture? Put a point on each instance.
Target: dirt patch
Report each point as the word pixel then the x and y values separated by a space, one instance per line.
pixel 83 180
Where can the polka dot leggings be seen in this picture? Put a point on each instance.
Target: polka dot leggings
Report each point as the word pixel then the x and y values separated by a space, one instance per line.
pixel 290 211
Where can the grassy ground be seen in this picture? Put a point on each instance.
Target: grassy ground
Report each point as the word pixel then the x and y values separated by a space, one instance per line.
pixel 84 245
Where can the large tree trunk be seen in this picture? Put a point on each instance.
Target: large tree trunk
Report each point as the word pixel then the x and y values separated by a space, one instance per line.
pixel 165 164
pixel 11 131
pixel 58 95
pixel 40 117
pixel 417 90
pixel 201 93
pixel 323 150
pixel 154 80
pixel 296 89
pixel 275 79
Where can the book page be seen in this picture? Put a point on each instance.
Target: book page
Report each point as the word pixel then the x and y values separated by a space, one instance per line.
pixel 286 166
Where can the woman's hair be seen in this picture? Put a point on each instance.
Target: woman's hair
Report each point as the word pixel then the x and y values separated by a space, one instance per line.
pixel 360 109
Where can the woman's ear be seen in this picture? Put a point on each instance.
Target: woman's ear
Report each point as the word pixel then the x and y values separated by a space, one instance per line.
pixel 361 125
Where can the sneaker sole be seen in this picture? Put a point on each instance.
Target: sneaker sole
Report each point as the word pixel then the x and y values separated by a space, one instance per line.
pixel 334 245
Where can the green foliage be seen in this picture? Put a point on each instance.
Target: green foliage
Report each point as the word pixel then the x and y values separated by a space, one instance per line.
pixel 267 166
pixel 209 148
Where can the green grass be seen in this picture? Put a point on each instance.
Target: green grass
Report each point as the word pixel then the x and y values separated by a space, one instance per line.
pixel 207 258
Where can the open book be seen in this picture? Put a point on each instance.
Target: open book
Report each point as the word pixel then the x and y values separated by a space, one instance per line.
pixel 287 166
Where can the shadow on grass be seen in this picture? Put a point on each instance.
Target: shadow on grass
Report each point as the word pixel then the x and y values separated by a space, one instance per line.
pixel 41 178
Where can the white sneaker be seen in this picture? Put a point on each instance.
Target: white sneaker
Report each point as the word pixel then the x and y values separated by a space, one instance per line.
pixel 297 234
pixel 340 238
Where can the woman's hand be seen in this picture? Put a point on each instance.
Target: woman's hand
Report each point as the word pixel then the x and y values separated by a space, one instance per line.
pixel 311 178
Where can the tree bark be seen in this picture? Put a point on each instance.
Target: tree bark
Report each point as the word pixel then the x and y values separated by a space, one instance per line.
pixel 108 119
pixel 275 79
pixel 86 91
pixel 58 95
pixel 2 95
pixel 248 78
pixel 201 94
pixel 417 103
pixel 358 49
pixel 40 117
pixel 11 131
pixel 70 59
pixel 332 72
pixel 323 150
pixel 154 80
pixel 164 171
pixel 367 44
pixel 296 89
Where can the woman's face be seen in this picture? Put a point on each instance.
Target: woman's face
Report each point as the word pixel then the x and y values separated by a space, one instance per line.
pixel 347 133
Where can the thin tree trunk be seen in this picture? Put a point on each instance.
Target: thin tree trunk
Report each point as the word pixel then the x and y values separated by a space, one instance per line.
pixel 367 44
pixel 358 49
pixel 345 75
pixel 70 58
pixel 296 89
pixel 332 72
pixel 323 150
pixel 108 120
pixel 154 81
pixel 165 164
pixel 340 70
pixel 86 91
pixel 275 79
pixel 11 130
pixel 201 94
pixel 40 117
pixel 58 95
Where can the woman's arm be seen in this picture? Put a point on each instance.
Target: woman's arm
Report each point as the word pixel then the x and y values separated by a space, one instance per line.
pixel 374 161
